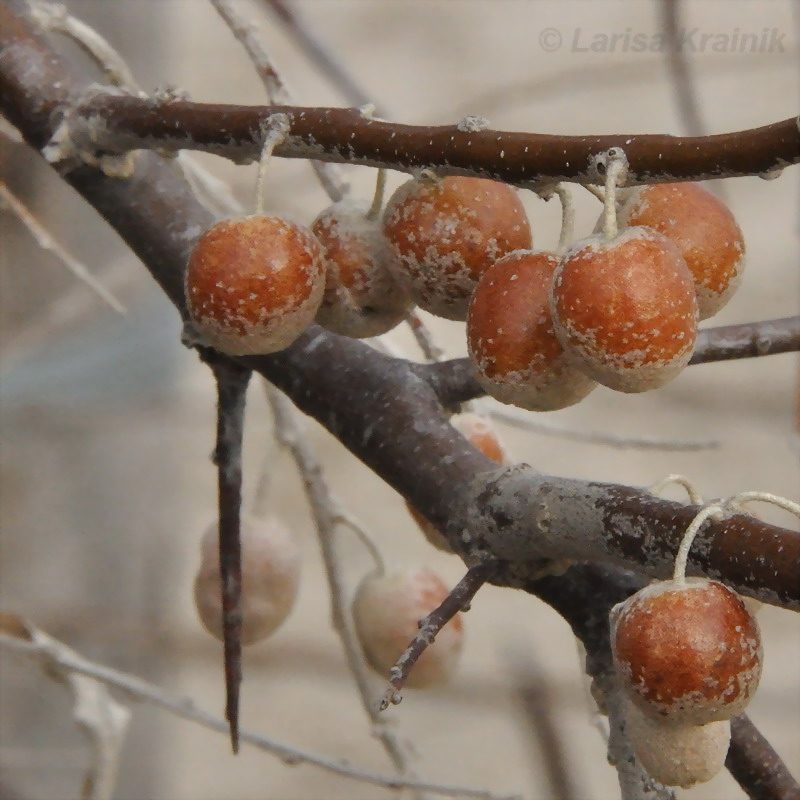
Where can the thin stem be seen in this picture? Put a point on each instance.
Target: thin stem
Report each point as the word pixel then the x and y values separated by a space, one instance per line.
pixel 274 135
pixel 616 165
pixel 343 518
pixel 597 191
pixel 377 200
pixel 713 511
pixel 46 242
pixel 458 600
pixel 278 92
pixel 567 217
pixel 738 500
pixel 695 497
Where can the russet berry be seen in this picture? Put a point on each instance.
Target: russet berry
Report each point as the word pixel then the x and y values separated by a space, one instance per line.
pixel 517 355
pixel 254 284
pixel 702 228
pixel 387 610
pixel 270 578
pixel 624 309
pixel 687 652
pixel 362 298
pixel 446 233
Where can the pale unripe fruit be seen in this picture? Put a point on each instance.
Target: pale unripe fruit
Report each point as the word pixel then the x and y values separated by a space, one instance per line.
pixel 702 228
pixel 625 310
pixel 270 577
pixel 254 284
pixel 678 755
pixel 387 610
pixel 478 431
pixel 446 233
pixel 362 298
pixel 511 339
pixel 687 653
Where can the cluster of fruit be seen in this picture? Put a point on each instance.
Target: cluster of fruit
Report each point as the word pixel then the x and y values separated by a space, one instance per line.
pixel 386 610
pixel 688 657
pixel 620 307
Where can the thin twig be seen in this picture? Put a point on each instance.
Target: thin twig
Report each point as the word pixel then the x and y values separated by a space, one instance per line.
pixel 454 380
pixel 102 718
pixel 528 422
pixel 326 512
pixel 423 337
pixel 277 91
pixel 181 706
pixel 46 242
pixel 458 600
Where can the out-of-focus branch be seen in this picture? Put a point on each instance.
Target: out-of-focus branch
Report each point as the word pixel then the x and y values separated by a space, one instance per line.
pixel 321 55
pixel 102 718
pixel 57 656
pixel 757 768
pixel 678 64
pixel 46 242
pixel 277 91
pixel 116 123
pixel 454 380
pixel 327 513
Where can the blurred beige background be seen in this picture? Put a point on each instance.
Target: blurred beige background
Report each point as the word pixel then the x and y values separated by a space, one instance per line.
pixel 107 423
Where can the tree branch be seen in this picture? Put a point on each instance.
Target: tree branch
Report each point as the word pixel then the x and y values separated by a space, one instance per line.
pixel 454 380
pixel 116 123
pixel 55 655
pixel 387 414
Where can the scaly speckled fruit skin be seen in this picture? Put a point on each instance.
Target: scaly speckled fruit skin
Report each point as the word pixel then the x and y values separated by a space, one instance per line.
pixel 254 284
pixel 362 298
pixel 511 340
pixel 387 610
pixel 446 233
pixel 625 310
pixel 678 755
pixel 687 653
pixel 480 433
pixel 703 229
pixel 271 561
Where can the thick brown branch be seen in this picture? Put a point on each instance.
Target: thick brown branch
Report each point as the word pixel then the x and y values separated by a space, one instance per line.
pixel 454 380
pixel 113 123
